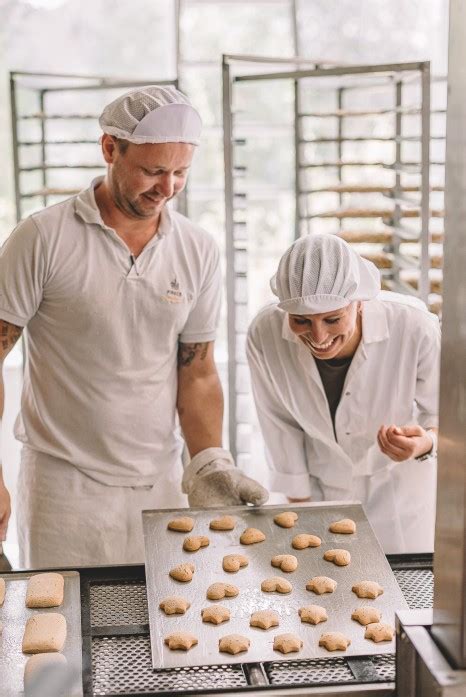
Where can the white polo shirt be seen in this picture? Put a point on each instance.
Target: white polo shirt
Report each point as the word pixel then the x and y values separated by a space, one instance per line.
pixel 100 383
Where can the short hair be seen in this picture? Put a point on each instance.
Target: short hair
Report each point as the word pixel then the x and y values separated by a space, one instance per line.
pixel 122 145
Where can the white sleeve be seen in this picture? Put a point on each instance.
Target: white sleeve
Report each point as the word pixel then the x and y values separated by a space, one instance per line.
pixel 203 319
pixel 428 374
pixel 283 437
pixel 22 274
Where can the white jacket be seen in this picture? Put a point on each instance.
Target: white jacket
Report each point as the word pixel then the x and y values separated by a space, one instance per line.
pixel 393 379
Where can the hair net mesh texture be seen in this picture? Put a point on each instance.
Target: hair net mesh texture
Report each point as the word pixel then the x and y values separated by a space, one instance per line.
pixel 123 116
pixel 321 273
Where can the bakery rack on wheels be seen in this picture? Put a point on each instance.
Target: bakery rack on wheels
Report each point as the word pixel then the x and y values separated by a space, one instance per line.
pixel 117 651
pixel 55 133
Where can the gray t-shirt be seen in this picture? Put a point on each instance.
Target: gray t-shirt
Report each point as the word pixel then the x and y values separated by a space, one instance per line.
pixel 100 382
pixel 333 374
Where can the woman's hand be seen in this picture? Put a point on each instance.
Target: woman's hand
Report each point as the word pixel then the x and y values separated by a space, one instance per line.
pixel 404 442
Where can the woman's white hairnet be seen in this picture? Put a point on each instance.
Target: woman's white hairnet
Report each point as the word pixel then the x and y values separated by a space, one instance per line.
pixel 152 114
pixel 322 273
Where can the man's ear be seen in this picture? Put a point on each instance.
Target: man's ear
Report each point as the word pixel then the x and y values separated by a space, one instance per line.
pixel 109 148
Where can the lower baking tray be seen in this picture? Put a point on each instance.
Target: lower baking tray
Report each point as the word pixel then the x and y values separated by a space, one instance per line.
pixel 164 551
pixel 14 615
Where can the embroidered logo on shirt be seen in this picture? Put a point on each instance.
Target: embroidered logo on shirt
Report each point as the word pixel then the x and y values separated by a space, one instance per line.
pixel 173 294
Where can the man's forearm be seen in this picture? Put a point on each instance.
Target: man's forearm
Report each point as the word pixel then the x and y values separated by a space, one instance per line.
pixel 200 409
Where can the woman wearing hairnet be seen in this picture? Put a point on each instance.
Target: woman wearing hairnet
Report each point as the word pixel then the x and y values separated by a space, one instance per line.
pixel 345 381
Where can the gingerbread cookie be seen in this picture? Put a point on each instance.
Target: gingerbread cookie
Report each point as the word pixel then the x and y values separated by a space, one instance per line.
pixel 366 615
pixel 218 591
pixel 343 527
pixel 251 536
pixel 334 641
pixel 276 584
pixel 287 643
pixel 304 540
pixel 367 589
pixel 226 522
pixel 174 605
pixel 313 614
pixel 45 590
pixel 233 643
pixel 264 619
pixel 378 631
pixel 44 632
pixel 286 520
pixel 340 557
pixel 193 544
pixel 184 524
pixel 180 641
pixel 234 562
pixel 321 585
pixel 215 614
pixel 183 573
pixel 285 562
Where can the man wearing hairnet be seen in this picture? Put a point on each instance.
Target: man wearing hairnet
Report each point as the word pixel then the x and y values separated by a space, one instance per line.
pixel 345 380
pixel 121 297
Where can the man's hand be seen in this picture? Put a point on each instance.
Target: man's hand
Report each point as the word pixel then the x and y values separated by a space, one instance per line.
pixel 5 510
pixel 404 442
pixel 211 479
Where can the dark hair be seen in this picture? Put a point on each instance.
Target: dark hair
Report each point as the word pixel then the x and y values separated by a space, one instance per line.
pixel 122 145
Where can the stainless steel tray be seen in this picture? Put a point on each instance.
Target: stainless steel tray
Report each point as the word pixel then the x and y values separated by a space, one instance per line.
pixel 164 551
pixel 14 615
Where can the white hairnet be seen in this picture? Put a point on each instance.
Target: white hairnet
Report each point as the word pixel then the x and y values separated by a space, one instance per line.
pixel 321 273
pixel 152 114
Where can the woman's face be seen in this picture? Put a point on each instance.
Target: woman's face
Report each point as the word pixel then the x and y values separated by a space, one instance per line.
pixel 328 335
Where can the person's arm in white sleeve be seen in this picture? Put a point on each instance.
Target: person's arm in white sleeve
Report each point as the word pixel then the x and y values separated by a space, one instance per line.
pixel 420 440
pixel 9 335
pixel 283 437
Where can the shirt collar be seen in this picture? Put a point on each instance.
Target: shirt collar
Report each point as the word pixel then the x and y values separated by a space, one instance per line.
pixel 374 324
pixel 86 208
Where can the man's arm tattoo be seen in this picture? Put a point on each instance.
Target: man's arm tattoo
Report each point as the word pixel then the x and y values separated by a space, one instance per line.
pixel 188 352
pixel 9 335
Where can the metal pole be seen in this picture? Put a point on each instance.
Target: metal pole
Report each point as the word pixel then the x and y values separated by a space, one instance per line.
pixel 449 626
pixel 424 282
pixel 43 154
pixel 229 251
pixel 397 193
pixel 14 132
pixel 297 167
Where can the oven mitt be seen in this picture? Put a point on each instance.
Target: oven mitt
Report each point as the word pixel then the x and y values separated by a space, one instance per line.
pixel 212 479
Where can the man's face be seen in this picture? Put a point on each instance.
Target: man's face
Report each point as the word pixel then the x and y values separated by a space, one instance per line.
pixel 326 335
pixel 143 178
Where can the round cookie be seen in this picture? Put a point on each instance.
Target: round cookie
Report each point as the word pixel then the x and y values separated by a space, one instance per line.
pixel 304 540
pixel 321 585
pixel 184 524
pixel 285 562
pixel 234 562
pixel 183 573
pixel 276 584
pixel 340 557
pixel 174 605
pixel 286 520
pixel 366 615
pixel 367 589
pixel 346 526
pixel 313 614
pixel 251 536
pixel 218 591
pixel 193 544
pixel 264 619
pixel 378 631
pixel 287 643
pixel 180 641
pixel 233 643
pixel 215 614
pixel 334 641
pixel 226 522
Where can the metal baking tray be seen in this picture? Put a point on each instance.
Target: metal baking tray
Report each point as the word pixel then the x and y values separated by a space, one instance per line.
pixel 164 551
pixel 14 615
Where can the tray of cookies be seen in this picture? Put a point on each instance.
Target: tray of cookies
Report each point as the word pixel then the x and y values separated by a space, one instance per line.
pixel 40 626
pixel 245 584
